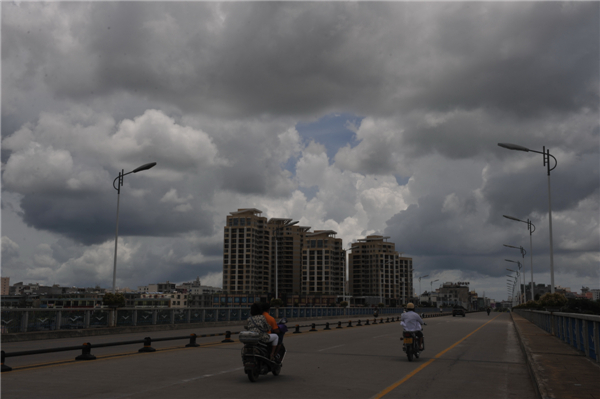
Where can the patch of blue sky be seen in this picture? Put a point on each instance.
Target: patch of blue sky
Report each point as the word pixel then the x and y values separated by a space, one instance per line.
pixel 333 131
pixel 402 180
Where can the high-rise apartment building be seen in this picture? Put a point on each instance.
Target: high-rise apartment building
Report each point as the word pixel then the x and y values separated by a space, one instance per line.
pixel 245 255
pixel 286 241
pixel 276 257
pixel 323 264
pixel 379 273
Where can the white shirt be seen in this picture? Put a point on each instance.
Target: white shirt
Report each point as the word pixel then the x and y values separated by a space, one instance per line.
pixel 411 321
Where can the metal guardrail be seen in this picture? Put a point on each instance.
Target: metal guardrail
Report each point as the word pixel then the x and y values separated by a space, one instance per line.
pixel 147 341
pixel 578 330
pixel 29 320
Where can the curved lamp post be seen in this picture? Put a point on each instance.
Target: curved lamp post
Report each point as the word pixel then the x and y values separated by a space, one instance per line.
pixel 431 289
pixel 546 154
pixel 515 281
pixel 523 253
pixel 531 228
pixel 420 292
pixel 522 276
pixel 119 183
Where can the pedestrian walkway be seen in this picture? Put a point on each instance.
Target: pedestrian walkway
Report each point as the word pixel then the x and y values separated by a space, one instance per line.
pixel 558 370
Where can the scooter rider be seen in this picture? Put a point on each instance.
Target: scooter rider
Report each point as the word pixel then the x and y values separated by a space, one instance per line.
pixel 411 321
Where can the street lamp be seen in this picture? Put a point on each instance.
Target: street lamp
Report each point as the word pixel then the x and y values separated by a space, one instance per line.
pixel 427 275
pixel 546 155
pixel 523 253
pixel 531 228
pixel 516 278
pixel 409 272
pixel 522 275
pixel 286 224
pixel 118 188
pixel 431 290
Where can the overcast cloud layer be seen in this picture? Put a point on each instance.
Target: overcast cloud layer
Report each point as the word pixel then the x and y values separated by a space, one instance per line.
pixel 364 118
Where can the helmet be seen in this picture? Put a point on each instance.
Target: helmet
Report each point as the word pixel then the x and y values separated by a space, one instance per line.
pixel 410 305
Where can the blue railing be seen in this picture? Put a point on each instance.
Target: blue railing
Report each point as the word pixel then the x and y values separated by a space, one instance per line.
pixel 578 330
pixel 29 320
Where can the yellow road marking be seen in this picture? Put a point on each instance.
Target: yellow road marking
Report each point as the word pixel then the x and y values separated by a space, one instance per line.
pixel 421 367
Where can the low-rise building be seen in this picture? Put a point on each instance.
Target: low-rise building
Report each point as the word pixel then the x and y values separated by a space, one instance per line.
pixel 158 287
pixel 454 294
pixel 5 290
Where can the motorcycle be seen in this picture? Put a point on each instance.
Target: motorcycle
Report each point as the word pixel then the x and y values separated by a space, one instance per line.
pixel 256 355
pixel 410 344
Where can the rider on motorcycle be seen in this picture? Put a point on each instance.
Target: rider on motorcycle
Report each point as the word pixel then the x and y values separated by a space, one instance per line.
pixel 258 323
pixel 274 328
pixel 411 321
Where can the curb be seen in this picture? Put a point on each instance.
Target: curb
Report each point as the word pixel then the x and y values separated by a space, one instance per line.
pixel 538 382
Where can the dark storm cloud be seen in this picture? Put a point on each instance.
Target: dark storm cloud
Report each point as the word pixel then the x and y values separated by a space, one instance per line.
pixel 92 220
pixel 526 60
pixel 524 192
pixel 302 58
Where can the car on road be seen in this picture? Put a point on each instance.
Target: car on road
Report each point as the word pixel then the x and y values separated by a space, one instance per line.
pixel 459 312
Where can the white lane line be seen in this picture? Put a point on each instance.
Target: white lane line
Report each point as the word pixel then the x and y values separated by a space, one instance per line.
pixel 151 389
pixel 211 375
pixel 329 348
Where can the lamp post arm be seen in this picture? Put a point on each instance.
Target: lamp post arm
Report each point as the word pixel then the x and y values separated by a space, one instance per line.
pixel 530 227
pixel 547 156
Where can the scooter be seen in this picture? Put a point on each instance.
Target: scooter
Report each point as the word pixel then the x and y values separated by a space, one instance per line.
pixel 410 344
pixel 256 355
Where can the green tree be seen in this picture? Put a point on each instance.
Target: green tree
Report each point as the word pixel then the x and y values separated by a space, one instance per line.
pixel 113 300
pixel 555 300
pixel 276 302
pixel 344 304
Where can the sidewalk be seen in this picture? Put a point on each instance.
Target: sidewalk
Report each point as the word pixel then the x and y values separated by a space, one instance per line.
pixel 558 370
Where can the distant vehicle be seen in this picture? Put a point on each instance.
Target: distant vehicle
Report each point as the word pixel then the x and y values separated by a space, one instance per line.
pixel 458 311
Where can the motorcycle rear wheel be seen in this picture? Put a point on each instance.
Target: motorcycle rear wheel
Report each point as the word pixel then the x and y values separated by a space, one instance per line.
pixel 409 353
pixel 253 375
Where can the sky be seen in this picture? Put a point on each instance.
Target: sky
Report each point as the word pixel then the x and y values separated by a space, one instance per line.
pixel 360 117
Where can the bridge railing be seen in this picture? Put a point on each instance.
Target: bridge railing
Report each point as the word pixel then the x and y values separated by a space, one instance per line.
pixel 578 330
pixel 33 319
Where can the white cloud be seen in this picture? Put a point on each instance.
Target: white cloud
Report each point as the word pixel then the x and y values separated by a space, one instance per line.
pixel 10 249
pixel 212 279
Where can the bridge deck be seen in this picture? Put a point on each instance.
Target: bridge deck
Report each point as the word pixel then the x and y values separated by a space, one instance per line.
pixel 475 356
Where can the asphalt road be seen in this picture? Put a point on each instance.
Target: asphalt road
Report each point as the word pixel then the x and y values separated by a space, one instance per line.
pixel 466 357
